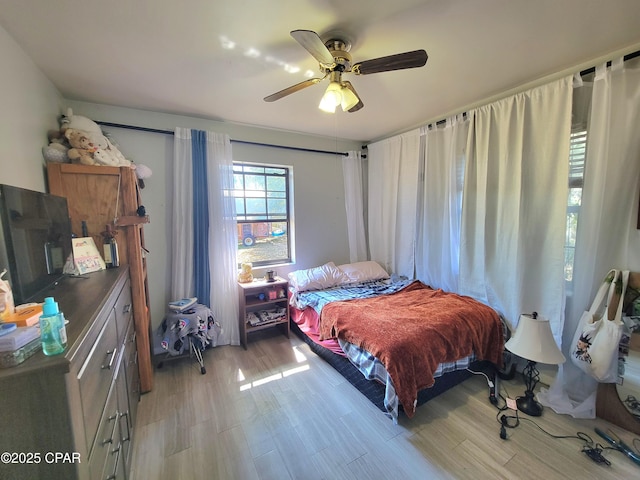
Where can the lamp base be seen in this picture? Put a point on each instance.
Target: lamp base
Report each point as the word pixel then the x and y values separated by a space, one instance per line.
pixel 528 405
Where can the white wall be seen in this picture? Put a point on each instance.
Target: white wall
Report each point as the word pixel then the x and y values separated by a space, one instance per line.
pixel 320 219
pixel 30 107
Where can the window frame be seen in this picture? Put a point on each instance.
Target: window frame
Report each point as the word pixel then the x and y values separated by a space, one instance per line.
pixel 577 164
pixel 266 217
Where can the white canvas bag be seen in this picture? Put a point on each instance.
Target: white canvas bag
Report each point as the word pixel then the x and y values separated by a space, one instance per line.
pixel 595 343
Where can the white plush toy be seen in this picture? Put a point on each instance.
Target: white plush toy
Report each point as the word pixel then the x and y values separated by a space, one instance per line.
pixel 103 157
pixel 57 149
pixel 110 154
pixel 105 151
pixel 79 123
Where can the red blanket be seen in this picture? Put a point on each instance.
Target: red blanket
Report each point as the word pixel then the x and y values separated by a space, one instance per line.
pixel 415 329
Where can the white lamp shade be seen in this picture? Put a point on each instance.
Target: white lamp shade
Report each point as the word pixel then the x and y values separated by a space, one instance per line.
pixel 349 99
pixel 534 341
pixel 332 98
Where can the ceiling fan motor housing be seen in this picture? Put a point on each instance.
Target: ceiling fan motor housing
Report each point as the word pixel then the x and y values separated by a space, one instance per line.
pixel 339 49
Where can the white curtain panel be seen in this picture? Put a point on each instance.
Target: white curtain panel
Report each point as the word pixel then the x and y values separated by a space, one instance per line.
pixel 440 203
pixel 182 217
pixel 608 215
pixel 353 195
pixel 222 237
pixel 393 185
pixel 514 204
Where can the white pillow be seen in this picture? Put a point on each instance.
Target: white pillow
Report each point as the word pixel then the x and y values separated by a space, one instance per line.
pixel 317 278
pixel 363 272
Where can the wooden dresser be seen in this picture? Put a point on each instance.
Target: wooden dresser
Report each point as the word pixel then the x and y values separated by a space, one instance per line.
pixel 83 402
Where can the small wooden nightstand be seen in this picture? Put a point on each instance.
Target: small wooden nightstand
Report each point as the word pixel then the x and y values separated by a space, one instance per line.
pixel 263 305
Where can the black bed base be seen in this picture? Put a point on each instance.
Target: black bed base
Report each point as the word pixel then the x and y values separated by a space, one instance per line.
pixel 375 391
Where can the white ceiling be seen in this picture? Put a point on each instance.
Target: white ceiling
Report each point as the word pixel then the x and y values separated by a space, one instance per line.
pixel 170 56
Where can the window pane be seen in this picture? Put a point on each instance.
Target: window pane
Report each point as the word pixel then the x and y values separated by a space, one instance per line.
pixel 568 263
pixel 254 182
pixel 262 242
pixel 277 206
pixel 238 182
pixel 575 197
pixel 239 206
pixel 262 207
pixel 276 184
pixel 256 206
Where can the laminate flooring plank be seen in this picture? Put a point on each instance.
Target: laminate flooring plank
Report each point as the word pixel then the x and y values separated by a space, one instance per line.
pixel 278 411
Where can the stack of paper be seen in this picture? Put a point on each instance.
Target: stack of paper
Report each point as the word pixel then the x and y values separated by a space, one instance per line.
pixel 18 338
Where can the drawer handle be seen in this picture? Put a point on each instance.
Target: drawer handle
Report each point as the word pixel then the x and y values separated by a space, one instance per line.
pixel 113 356
pixel 113 430
pixel 114 475
pixel 126 417
pixel 133 337
pixel 126 308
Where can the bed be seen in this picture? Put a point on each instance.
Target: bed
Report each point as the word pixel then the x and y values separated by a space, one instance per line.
pixel 397 340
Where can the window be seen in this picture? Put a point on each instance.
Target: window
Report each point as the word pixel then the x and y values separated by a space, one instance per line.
pixel 577 157
pixel 262 197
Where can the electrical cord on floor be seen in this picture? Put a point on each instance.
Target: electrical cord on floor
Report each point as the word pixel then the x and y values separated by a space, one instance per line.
pixel 492 389
pixel 589 448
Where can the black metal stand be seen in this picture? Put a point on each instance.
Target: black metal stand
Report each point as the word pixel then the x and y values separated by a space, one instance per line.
pixel 528 403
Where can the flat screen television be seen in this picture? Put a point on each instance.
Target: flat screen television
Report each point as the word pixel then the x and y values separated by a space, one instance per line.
pixel 35 240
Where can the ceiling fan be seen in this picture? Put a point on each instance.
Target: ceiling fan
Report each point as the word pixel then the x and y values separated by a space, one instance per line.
pixel 335 60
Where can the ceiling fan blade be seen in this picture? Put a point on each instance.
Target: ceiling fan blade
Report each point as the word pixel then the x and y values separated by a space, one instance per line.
pixel 358 105
pixel 399 61
pixel 314 45
pixel 292 89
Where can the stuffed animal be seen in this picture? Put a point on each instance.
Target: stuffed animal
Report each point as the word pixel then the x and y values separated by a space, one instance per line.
pixel 110 154
pixel 78 122
pixel 81 150
pixel 142 172
pixel 245 275
pixel 103 157
pixel 57 149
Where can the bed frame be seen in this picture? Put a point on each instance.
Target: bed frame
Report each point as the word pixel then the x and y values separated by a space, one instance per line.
pixel 375 391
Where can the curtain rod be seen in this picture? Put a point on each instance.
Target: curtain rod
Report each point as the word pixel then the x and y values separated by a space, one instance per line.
pixel 625 58
pixel 169 132
pixel 583 72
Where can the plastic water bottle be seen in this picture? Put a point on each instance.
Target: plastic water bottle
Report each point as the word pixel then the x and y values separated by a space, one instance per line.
pixel 53 333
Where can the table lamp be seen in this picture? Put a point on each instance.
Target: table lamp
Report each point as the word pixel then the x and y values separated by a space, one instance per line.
pixel 534 342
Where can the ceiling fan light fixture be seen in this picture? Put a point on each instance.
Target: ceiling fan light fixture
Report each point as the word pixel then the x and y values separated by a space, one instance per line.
pixel 349 99
pixel 332 98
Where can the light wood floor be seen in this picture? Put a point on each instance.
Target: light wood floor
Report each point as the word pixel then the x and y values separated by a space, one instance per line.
pixel 277 411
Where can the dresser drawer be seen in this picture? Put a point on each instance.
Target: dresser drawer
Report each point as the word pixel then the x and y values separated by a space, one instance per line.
pixel 107 441
pixel 95 377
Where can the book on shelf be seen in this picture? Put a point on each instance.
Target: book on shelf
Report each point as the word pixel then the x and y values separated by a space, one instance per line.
pixel 264 317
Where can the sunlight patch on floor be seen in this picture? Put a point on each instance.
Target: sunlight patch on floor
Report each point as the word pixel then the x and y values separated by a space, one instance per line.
pixel 271 378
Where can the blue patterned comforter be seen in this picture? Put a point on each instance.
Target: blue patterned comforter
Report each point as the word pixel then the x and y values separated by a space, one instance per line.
pixel 317 299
